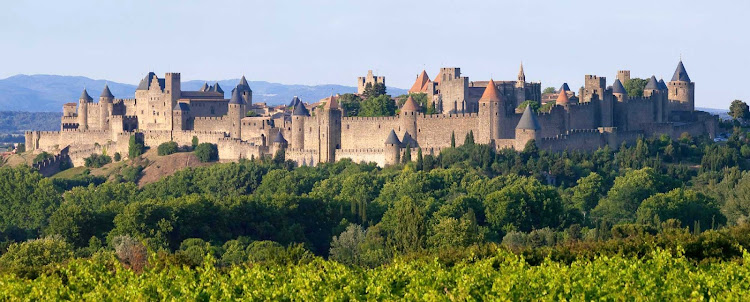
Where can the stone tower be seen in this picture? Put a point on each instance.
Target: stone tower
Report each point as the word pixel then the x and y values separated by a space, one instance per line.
pixel 527 129
pixel 245 92
pixel 681 90
pixel 235 113
pixel 329 121
pixel 521 80
pixel 408 119
pixel 392 149
pixel 172 92
pixel 83 110
pixel 623 76
pixel 105 107
pixel 180 114
pixel 299 115
pixel 490 111
pixel 618 90
pixel 279 143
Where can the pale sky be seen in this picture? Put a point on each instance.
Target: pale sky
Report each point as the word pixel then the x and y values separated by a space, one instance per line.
pixel 333 42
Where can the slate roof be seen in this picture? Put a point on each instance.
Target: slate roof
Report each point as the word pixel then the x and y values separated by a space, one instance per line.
pixel 393 139
pixel 528 120
pixel 146 82
pixel 680 74
pixel 279 138
pixel 565 87
pixel 300 109
pixel 662 85
pixel 216 88
pixel 106 93
pixel 652 83
pixel 181 107
pixel 236 98
pixel 294 102
pixel 85 96
pixel 618 88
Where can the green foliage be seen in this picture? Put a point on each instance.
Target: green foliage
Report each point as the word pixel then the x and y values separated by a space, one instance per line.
pixel 549 90
pixel 534 105
pixel 381 105
pixel 251 114
pixel 26 201
pixel 547 107
pixel 635 86
pixel 627 193
pixel 29 259
pixel 350 104
pixel 42 157
pixel 739 110
pixel 97 161
pixel 373 91
pixel 167 148
pixel 523 205
pixel 206 152
pixel 135 146
pixel 687 206
pixel 117 157
pixel 131 173
pixel 194 142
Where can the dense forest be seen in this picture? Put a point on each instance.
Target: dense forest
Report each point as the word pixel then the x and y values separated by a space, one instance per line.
pixel 681 203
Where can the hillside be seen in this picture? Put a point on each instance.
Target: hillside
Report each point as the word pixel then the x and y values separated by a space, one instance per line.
pixel 39 93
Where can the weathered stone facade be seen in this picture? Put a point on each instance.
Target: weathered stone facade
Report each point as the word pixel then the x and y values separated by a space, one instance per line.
pixel 601 115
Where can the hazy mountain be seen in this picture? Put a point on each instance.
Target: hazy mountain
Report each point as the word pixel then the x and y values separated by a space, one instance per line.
pixel 47 93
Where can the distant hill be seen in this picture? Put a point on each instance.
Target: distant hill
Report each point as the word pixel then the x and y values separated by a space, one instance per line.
pixel 13 122
pixel 40 93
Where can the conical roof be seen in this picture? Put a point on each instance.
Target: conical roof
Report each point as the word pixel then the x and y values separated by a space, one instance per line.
pixel 300 109
pixel 618 88
pixel 528 120
pixel 106 93
pixel 562 98
pixel 243 82
pixel 565 87
pixel 490 93
pixel 331 103
pixel 243 86
pixel 85 96
pixel 652 84
pixel 217 88
pixel 408 140
pixel 680 74
pixel 294 102
pixel 392 139
pixel 236 98
pixel 662 85
pixel 181 107
pixel 279 138
pixel 205 87
pixel 410 105
pixel 420 85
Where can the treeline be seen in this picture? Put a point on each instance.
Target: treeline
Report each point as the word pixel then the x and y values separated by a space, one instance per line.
pixel 360 214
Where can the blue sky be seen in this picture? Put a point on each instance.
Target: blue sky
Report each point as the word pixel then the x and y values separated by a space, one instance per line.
pixel 319 42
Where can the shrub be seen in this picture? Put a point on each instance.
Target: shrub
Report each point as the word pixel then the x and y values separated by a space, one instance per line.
pixel 42 156
pixel 131 252
pixel 132 173
pixel 194 142
pixel 135 147
pixel 28 259
pixel 167 148
pixel 117 156
pixel 206 152
pixel 97 161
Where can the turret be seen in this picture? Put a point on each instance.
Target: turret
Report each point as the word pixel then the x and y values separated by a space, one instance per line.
pixel 618 90
pixel 392 149
pixel 245 92
pixel 562 99
pixel 652 86
pixel 527 129
pixel 105 107
pixel 180 114
pixel 299 116
pixel 491 112
pixel 408 118
pixel 236 113
pixel 279 142
pixel 83 110
pixel 681 90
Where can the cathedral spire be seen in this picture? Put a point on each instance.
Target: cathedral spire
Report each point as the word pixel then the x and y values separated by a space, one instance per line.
pixel 521 74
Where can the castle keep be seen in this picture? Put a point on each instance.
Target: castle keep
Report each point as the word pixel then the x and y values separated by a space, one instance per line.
pixel 599 115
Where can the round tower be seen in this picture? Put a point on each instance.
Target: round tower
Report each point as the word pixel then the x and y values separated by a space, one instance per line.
pixel 299 115
pixel 235 113
pixel 105 107
pixel 652 87
pixel 392 149
pixel 83 110
pixel 618 91
pixel 681 90
pixel 491 114
pixel 408 118
pixel 528 129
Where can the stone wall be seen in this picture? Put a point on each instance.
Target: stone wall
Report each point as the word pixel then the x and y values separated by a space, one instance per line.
pixel 365 132
pixel 374 155
pixel 435 130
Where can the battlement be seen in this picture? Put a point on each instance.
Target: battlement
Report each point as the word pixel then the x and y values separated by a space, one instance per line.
pixel 209 118
pixel 356 119
pixel 448 116
pixel 362 150
pixel 86 131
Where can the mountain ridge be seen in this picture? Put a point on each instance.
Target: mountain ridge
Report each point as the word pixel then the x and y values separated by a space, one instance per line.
pixel 47 93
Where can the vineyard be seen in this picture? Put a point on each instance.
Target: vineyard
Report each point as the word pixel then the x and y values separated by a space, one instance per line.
pixel 504 276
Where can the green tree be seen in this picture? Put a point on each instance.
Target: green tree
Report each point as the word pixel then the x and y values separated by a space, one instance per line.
pixel 469 139
pixel 26 200
pixel 350 104
pixel 588 191
pixel 206 152
pixel 381 105
pixel 135 147
pixel 405 224
pixel 29 259
pixel 549 90
pixel 627 193
pixel 407 154
pixel 420 159
pixel 194 142
pixel 42 157
pixel 523 205
pixel 534 105
pixel 739 110
pixel 167 148
pixel 635 86
pixel 374 90
pixel 453 139
pixel 684 205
